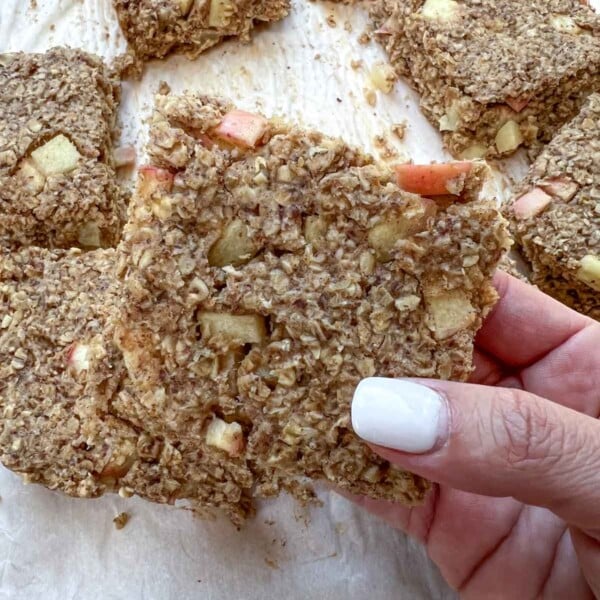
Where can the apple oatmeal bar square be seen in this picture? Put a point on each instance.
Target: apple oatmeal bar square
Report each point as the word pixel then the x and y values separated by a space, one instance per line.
pixel 495 75
pixel 555 216
pixel 155 28
pixel 57 179
pixel 59 375
pixel 267 269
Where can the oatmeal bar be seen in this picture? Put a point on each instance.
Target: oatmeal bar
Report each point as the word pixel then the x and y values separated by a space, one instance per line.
pixel 494 75
pixel 57 178
pixel 268 269
pixel 59 374
pixel 555 217
pixel 154 28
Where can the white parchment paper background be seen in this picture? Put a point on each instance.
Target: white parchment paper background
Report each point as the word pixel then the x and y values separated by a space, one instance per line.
pixel 58 548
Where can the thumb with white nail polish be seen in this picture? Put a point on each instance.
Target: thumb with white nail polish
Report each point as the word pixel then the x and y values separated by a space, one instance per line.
pixel 398 414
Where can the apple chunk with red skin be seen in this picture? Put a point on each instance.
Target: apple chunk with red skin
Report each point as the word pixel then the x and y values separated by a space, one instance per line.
pixel 432 180
pixel 531 204
pixel 242 128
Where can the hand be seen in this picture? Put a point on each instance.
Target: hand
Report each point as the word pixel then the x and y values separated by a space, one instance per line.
pixel 516 509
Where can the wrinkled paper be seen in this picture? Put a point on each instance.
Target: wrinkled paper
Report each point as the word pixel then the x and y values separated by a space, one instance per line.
pixel 54 547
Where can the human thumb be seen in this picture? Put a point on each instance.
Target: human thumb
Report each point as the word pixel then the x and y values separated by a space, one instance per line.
pixel 487 440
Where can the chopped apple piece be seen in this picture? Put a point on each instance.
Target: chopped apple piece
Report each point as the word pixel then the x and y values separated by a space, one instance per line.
pixel 474 152
pixel 89 236
pixel 153 179
pixel 315 230
pixel 220 13
pixel 432 180
pixel 451 311
pixel 531 204
pixel 234 247
pixel 242 128
pixel 451 119
pixel 561 187
pixel 440 10
pixel 124 156
pixel 244 329
pixel 509 137
pixel 518 104
pixel 228 437
pixel 589 271
pixel 33 180
pixel 78 358
pixel 565 24
pixel 185 6
pixel 383 77
pixel 396 226
pixel 121 461
pixel 56 157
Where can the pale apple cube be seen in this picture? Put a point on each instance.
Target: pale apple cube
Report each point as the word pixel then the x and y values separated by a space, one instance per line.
pixel 244 329
pixel 220 13
pixel 315 230
pixel 440 10
pixel 531 204
pixel 451 312
pixel 78 358
pixel 242 128
pixel 589 271
pixel 185 6
pixel 234 247
pixel 509 137
pixel 565 24
pixel 228 437
pixel 89 235
pixel 474 152
pixel 56 157
pixel 383 77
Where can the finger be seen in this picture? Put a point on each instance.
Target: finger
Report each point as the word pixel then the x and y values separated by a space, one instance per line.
pixel 491 441
pixel 526 324
pixel 413 520
pixel 588 553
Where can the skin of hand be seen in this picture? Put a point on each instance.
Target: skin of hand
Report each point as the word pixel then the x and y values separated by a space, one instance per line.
pixel 514 453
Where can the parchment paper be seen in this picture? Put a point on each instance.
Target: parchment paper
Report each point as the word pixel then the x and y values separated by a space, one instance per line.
pixel 54 547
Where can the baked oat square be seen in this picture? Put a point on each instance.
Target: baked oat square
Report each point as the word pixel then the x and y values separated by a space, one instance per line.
pixel 59 376
pixel 155 28
pixel 268 269
pixel 494 75
pixel 555 216
pixel 57 179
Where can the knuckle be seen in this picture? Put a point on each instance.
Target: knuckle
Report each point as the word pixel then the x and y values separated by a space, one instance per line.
pixel 524 431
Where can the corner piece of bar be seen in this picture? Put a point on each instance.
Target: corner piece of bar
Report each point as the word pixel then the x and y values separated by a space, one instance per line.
pixel 267 269
pixel 497 75
pixel 555 214
pixel 58 185
pixel 155 28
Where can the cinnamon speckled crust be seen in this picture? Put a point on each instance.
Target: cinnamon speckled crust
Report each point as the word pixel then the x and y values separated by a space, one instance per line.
pixel 491 52
pixel 555 240
pixel 155 28
pixel 60 374
pixel 64 92
pixel 332 313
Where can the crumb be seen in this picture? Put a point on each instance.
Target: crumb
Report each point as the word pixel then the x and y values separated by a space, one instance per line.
pixel 317 57
pixel 348 26
pixel 356 64
pixel 370 96
pixel 164 88
pixel 121 520
pixel 331 21
pixel 339 100
pixel 271 563
pixel 399 129
pixel 364 38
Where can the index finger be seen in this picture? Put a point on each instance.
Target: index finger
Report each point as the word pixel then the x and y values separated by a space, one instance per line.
pixel 526 324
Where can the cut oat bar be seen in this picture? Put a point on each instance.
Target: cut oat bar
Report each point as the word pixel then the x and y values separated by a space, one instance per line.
pixel 59 374
pixel 555 217
pixel 155 28
pixel 268 269
pixel 494 75
pixel 57 179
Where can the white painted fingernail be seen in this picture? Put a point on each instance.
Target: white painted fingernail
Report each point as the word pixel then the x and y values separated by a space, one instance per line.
pixel 398 414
